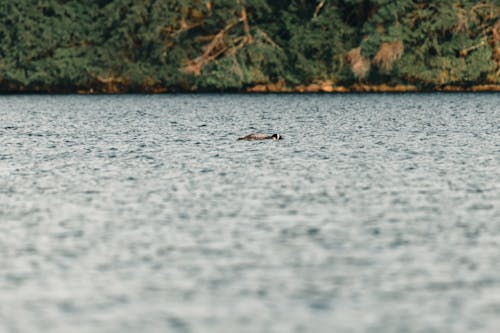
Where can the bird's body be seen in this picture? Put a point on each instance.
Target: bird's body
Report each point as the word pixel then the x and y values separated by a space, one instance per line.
pixel 260 136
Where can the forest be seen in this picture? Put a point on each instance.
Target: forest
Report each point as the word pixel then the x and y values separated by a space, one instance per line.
pixel 154 46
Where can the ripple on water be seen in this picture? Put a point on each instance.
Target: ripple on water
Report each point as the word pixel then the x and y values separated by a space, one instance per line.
pixel 377 213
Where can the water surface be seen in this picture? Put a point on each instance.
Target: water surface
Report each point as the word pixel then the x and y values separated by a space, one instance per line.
pixel 376 213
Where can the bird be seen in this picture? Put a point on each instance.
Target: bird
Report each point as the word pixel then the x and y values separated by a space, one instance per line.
pixel 261 136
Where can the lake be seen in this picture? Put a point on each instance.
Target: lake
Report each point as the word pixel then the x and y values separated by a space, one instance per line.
pixel 375 213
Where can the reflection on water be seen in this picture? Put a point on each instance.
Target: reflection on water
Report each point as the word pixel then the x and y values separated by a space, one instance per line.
pixel 377 213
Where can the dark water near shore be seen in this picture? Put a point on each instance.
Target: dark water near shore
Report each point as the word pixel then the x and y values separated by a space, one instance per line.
pixel 377 213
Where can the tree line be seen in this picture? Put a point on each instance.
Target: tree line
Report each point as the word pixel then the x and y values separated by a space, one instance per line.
pixel 233 45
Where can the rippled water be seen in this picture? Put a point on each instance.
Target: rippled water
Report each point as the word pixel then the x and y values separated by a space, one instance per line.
pixel 376 213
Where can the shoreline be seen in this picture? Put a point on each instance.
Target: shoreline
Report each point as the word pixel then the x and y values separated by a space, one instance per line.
pixel 270 88
pixel 326 87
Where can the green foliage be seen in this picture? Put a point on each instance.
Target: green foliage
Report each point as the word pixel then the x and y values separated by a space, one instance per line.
pixel 318 35
pixel 129 45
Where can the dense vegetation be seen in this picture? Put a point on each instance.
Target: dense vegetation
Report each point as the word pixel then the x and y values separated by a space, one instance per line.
pixel 175 45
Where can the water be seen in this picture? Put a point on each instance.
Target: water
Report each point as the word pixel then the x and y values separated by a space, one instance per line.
pixel 376 213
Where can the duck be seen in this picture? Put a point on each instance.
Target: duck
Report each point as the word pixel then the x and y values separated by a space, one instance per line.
pixel 261 136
